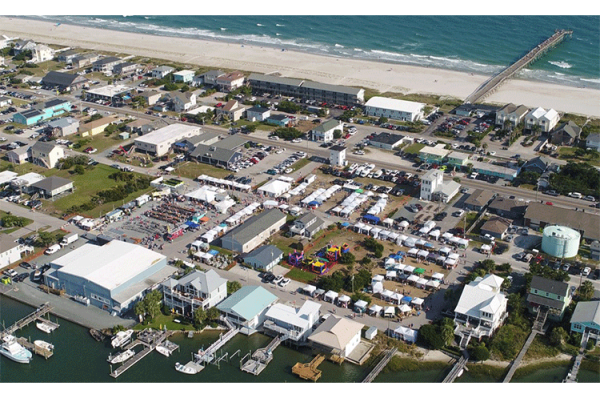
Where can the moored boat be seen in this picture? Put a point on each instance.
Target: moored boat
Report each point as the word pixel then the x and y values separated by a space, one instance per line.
pixel 185 369
pixel 97 335
pixel 122 357
pixel 43 345
pixel 11 349
pixel 121 338
pixel 44 327
pixel 163 350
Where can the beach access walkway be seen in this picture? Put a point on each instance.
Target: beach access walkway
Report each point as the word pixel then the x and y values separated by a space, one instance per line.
pixel 572 375
pixel 495 81
pixel 379 367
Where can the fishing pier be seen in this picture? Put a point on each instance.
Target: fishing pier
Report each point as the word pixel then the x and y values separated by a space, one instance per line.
pixel 379 367
pixel 34 316
pixel 495 81
pixel 150 339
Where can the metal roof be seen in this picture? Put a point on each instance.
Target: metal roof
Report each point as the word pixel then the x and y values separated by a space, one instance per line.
pixel 587 222
pixel 252 227
pixel 248 302
pixel 206 282
pixel 7 243
pixel 328 125
pixel 275 79
pixel 587 312
pixel 395 104
pixel 263 255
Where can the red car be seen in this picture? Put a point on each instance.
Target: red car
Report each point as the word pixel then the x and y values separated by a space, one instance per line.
pixel 549 203
pixel 220 104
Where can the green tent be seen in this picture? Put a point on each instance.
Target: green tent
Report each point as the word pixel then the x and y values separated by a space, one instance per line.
pixel 360 190
pixel 419 271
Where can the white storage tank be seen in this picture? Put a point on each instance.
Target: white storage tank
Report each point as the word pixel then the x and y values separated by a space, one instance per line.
pixel 561 242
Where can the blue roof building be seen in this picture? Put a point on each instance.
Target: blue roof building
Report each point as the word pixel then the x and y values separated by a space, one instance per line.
pixel 247 307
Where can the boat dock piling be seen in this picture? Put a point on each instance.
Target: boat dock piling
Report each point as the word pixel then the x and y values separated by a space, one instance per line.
pixel 34 316
pixel 261 358
pixel 379 367
pixel 309 371
pixel 150 339
pixel 36 350
pixel 208 355
pixel 456 369
pixel 495 81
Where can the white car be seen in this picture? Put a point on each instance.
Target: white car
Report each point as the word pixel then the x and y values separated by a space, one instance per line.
pixel 493 153
pixel 284 282
pixel 277 279
pixel 2 139
pixel 297 140
pixel 11 272
pixel 289 171
pixel 575 195
pixel 586 271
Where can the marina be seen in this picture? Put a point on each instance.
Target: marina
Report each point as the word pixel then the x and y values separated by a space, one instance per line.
pixel 166 348
pixel 33 317
pixel 150 339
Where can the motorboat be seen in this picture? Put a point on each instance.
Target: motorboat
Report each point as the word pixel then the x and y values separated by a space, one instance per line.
pixel 41 344
pixel 122 357
pixel 11 349
pixel 121 338
pixel 163 350
pixel 44 327
pixel 185 369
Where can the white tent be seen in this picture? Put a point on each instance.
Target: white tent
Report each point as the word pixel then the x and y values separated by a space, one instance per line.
pixel 269 204
pixel 389 311
pixel 450 262
pixel 435 234
pixel 420 242
pixel 485 248
pixel 223 206
pixel 463 242
pixel 391 274
pixel 378 278
pixel 417 301
pixel 409 269
pixel 454 256
pixel 397 297
pixel 413 278
pixel 343 299
pixel 409 242
pixel 399 267
pixel 377 287
pixel 361 305
pixel 413 252
pixel 389 261
pixel 384 234
pixel 404 308
pixel 309 289
pixel 421 282
pixel 433 284
pixel 393 236
pixel 447 236
pixel 437 276
pixel 375 232
pixel 331 296
pixel 406 334
pixel 386 294
pixel 375 310
pixel 388 221
pixel 403 224
pixel 445 250
pixel 422 253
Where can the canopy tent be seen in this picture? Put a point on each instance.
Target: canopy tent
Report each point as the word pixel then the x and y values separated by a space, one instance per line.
pixel 389 262
pixel 463 243
pixel 404 308
pixel 386 294
pixel 445 250
pixel 417 302
pixel 331 296
pixel 454 256
pixel 399 267
pixel 378 278
pixel 433 284
pixel 413 278
pixel 388 221
pixel 384 234
pixel 405 334
pixel 435 234
pixel 396 297
pixel 409 269
pixel 421 282
pixel 419 271
pixel 409 242
pixel 423 253
pixel 437 276
pixel 389 311
pixel 447 236
pixel 375 310
pixel 485 248
pixel 319 292
pixel 433 257
pixel 413 252
pixel 269 204
pixel 407 299
pixel 393 236
pixel 309 289
pixel 371 218
pixel 361 305
pixel 375 232
pixel 391 274
pixel 450 262
pixel 377 287
pixel 420 242
pixel 344 299
pixel 403 224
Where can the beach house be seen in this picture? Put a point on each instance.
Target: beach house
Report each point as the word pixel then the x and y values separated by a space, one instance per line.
pixel 434 155
pixel 593 141
pixel 566 134
pixel 230 81
pixel 479 199
pixel 247 308
pixel 481 309
pixel 545 119
pixel 97 126
pixel 181 102
pixel 183 76
pixel 210 77
pixel 19 155
pixel 279 120
pixel 263 258
pixel 84 60
pixel 126 68
pixel 64 126
pixel 252 233
pixel 388 141
pixel 46 154
pixel 111 94
pixel 53 186
pixel 495 227
pixel 23 183
pixel 151 96
pixel 307 225
pixel 159 142
pixel 294 323
pixel 509 208
pixel 192 291
pixel 549 296
pixel 324 132
pixel 106 64
pixel 10 250
pixel 63 81
pixel 232 110
pixel 41 53
pixel 337 335
pixel 66 56
pixel 257 114
pixel 433 187
pixel 511 114
pixel 394 109
pixel 586 318
pixel 337 155
pixel 161 71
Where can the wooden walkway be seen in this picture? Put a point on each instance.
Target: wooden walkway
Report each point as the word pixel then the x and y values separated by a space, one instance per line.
pixel 34 316
pixel 379 367
pixel 493 83
pixel 458 366
pixel 261 358
pixel 309 371
pixel 572 375
pixel 162 336
pixel 208 355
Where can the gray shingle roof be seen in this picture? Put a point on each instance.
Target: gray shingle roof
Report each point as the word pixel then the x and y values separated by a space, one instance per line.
pixel 275 79
pixel 219 154
pixel 45 147
pixel 255 225
pixel 7 242
pixel 570 128
pixel 263 255
pixel 54 78
pixel 51 183
pixel 387 138
pixel 328 125
pixel 588 311
pixel 581 221
pixel 479 197
pixel 549 286
pixel 205 282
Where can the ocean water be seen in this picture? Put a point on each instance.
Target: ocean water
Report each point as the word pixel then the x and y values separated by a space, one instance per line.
pixel 476 44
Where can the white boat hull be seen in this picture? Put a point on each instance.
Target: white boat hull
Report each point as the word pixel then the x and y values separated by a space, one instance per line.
pixel 122 357
pixel 185 369
pixel 43 345
pixel 162 350
pixel 44 327
pixel 121 338
pixel 14 358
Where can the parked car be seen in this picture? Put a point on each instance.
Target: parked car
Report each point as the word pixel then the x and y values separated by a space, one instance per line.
pixel 586 271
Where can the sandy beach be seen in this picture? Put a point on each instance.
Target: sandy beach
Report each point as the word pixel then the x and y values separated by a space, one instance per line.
pixel 385 77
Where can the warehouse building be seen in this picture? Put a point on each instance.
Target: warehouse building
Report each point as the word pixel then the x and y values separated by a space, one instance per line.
pixel 388 141
pixel 113 276
pixel 158 143
pixel 253 232
pixel 539 215
pixel 396 109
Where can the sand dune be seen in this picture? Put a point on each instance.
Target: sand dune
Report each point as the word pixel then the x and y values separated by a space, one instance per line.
pixel 367 74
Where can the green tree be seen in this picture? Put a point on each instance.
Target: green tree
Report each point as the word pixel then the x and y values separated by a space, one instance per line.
pixel 365 261
pixel 558 336
pixel 233 286
pixel 430 336
pixel 480 353
pixel 586 291
pixel 383 120
pixel 199 317
pixel 170 86
pixel 79 169
pixel 213 314
pixel 488 265
pixel 46 239
pixel 337 134
pixel 139 308
pixel 347 258
pixel 185 88
pixel 152 303
pixel 447 330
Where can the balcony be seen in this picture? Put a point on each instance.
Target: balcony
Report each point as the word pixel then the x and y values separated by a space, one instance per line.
pixel 291 334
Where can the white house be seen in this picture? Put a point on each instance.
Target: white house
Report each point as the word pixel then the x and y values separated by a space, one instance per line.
pixel 195 290
pixel 230 81
pixel 10 250
pixel 161 71
pixel 247 307
pixel 295 323
pixel 257 114
pixel 183 76
pixel 337 335
pixel 510 113
pixel 324 131
pixel 433 186
pixel 181 102
pixel 394 109
pixel 593 141
pixel 481 308
pixel 337 155
pixel 46 154
pixel 42 53
pixel 232 109
pixel 546 119
pixel 159 142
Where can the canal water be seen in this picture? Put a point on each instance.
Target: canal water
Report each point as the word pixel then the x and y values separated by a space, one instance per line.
pixel 79 358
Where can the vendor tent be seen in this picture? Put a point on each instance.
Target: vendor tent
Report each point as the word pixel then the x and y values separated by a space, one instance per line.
pixel 331 296
pixel 389 311
pixel 409 242
pixel 437 276
pixel 377 287
pixel 343 300
pixel 396 297
pixel 421 282
pixel 309 289
pixel 391 275
pixel 413 278
pixel 404 308
pixel 378 278
pixel 413 252
pixel 405 334
pixel 375 310
pixel 386 294
pixel 407 299
pixel 422 253
pixel 409 269
pixel 419 271
pixel 433 284
pixel 361 306
pixel 417 302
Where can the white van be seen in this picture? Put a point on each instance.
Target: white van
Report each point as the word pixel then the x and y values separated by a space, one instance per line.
pixel 52 249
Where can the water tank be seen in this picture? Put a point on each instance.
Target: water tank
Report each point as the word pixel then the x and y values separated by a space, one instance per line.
pixel 561 242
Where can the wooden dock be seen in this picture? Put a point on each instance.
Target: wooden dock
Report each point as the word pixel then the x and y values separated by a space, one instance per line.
pixel 208 355
pixel 572 375
pixel 34 348
pixel 380 365
pixel 150 344
pixel 495 81
pixel 458 366
pixel 309 371
pixel 34 316
pixel 261 358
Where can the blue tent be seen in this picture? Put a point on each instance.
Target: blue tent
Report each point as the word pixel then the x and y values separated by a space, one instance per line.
pixel 371 218
pixel 213 252
pixel 314 203
pixel 345 224
pixel 408 299
pixel 192 224
pixel 427 244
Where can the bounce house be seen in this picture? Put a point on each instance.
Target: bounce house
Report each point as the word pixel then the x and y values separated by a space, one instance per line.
pixel 320 265
pixel 334 252
pixel 295 258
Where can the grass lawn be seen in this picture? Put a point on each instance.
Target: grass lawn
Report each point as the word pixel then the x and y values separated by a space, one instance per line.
pixel 414 148
pixel 301 276
pixel 193 170
pixel 300 164
pixel 470 219
pixel 99 141
pixel 95 179
pixel 13 229
pixel 23 168
pixel 568 153
pixel 161 320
